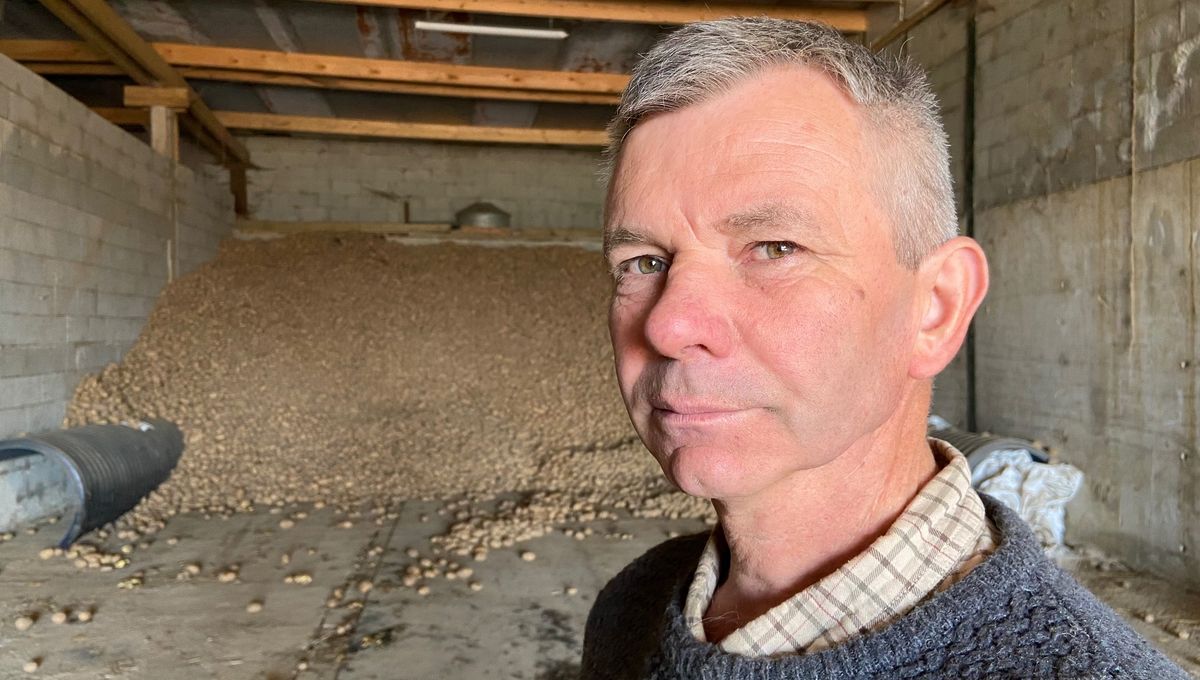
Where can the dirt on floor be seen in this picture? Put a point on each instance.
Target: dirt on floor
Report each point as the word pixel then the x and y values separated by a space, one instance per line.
pixel 1162 612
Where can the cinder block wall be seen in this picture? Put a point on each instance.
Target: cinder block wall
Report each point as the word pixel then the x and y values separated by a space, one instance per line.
pixel 369 181
pixel 84 224
pixel 1087 182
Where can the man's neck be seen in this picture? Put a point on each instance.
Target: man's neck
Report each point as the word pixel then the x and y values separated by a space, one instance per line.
pixel 802 529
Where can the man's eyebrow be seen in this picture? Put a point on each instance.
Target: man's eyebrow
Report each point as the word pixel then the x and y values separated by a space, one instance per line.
pixel 766 216
pixel 619 236
pixel 761 217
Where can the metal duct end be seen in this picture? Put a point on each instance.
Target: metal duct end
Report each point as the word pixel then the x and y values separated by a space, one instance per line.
pixel 90 475
pixel 482 214
pixel 977 447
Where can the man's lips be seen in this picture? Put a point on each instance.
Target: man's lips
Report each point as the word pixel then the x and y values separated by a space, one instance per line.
pixel 692 413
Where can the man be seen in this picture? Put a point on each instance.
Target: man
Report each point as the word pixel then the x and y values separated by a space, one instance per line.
pixel 781 230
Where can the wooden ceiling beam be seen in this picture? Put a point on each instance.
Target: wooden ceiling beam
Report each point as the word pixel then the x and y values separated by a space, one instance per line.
pixel 66 52
pixel 175 98
pixel 95 45
pixel 342 69
pixel 265 122
pixel 653 12
pixel 317 125
pixel 397 87
pixel 351 84
pixel 395 70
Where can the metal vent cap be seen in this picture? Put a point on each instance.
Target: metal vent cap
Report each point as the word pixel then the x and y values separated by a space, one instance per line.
pixel 482 214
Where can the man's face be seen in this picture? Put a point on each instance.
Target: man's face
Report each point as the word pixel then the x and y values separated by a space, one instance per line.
pixel 760 320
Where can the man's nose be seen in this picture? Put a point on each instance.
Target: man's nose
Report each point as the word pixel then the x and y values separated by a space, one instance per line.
pixel 689 318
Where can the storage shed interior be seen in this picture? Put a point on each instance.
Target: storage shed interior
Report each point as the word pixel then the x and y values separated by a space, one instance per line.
pixel 403 451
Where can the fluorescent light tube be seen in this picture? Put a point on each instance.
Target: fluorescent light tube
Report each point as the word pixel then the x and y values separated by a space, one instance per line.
pixel 510 31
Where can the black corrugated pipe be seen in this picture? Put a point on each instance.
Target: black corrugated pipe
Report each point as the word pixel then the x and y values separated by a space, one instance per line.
pixel 978 446
pixel 95 473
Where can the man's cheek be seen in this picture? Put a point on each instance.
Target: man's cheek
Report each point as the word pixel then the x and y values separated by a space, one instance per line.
pixel 811 349
pixel 629 363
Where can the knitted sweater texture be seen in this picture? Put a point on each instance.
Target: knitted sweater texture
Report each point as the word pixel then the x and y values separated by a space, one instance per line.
pixel 1016 615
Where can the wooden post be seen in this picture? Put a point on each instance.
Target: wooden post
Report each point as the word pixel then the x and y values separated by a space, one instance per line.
pixel 164 132
pixel 237 184
pixel 165 104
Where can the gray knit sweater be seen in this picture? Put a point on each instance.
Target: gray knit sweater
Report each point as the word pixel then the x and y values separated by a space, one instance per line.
pixel 1016 615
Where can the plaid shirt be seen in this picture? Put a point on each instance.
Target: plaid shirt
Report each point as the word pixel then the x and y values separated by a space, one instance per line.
pixel 940 536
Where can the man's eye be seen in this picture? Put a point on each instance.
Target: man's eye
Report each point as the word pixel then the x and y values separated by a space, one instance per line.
pixel 774 250
pixel 647 264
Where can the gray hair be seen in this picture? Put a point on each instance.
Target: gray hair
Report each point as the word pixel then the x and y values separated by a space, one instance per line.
pixel 703 59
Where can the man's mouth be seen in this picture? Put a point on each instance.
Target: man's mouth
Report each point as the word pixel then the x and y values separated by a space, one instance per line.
pixel 691 412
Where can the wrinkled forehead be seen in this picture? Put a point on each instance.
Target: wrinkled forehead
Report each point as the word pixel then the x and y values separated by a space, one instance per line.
pixel 787 126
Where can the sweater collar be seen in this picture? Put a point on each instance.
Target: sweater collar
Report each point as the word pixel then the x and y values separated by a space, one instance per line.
pixel 1017 563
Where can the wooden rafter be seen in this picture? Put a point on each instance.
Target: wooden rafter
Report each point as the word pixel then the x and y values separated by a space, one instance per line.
pixel 329 66
pixel 62 51
pixel 270 122
pixel 140 96
pixel 357 84
pixel 654 12
pixel 374 128
pixel 325 83
pixel 391 69
pixel 95 40
pixel 254 77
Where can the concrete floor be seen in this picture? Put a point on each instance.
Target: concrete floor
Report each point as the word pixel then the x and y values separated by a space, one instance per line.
pixel 521 625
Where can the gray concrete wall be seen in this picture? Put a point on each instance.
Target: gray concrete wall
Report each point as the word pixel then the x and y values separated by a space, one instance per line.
pixel 85 217
pixel 1086 186
pixel 369 181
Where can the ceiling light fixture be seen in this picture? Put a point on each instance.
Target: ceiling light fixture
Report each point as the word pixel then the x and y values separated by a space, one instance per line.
pixel 477 29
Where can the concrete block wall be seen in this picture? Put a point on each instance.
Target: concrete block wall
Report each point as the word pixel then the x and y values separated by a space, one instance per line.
pixel 1085 192
pixel 204 211
pixel 85 216
pixel 1053 110
pixel 369 181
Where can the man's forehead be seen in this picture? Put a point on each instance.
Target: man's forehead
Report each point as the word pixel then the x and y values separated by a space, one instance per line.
pixel 781 116
pixel 789 97
pixel 757 154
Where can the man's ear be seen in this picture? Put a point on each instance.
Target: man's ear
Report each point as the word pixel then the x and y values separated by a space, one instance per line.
pixel 954 280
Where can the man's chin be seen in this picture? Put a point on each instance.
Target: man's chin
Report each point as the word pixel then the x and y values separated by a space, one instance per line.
pixel 711 472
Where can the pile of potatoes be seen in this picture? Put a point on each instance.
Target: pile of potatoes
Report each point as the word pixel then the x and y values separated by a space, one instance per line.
pixel 354 372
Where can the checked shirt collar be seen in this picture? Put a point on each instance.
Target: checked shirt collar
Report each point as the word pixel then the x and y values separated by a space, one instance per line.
pixel 940 536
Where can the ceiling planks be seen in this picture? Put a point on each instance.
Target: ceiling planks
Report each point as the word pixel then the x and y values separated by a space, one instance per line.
pixel 335 67
pixel 320 82
pixel 295 47
pixel 654 12
pixel 391 69
pixel 270 122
